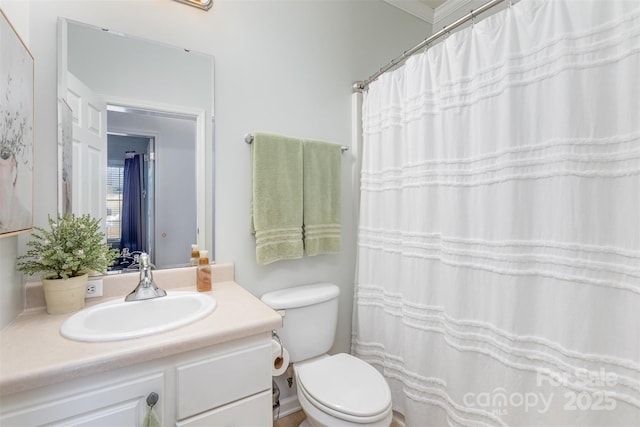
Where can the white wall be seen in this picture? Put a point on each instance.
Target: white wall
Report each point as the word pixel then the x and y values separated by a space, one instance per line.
pixel 281 66
pixel 452 10
pixel 139 69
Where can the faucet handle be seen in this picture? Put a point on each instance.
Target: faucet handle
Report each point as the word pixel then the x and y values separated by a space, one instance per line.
pixel 144 261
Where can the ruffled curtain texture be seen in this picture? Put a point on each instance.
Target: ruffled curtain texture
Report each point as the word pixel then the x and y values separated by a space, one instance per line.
pixel 498 278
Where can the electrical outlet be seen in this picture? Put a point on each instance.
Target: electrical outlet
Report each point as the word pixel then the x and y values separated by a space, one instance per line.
pixel 94 288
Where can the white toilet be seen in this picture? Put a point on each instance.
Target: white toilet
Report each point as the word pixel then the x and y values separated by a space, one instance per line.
pixel 334 391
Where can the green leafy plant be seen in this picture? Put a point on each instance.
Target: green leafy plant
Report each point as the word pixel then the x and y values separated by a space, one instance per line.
pixel 73 246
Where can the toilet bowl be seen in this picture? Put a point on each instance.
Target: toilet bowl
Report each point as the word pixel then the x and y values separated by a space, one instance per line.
pixel 342 391
pixel 334 391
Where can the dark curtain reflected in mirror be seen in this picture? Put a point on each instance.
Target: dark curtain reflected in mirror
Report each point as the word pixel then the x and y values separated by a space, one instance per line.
pixel 130 184
pixel 134 215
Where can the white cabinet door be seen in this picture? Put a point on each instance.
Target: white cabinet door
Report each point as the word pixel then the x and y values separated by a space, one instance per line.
pixel 115 404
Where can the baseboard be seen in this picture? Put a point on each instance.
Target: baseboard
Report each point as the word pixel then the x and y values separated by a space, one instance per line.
pixel 398 419
pixel 289 405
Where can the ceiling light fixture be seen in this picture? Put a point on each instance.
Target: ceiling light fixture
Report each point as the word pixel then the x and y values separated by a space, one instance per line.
pixel 200 4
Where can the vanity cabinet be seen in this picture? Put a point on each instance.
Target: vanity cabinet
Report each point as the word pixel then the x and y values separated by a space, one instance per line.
pixel 228 384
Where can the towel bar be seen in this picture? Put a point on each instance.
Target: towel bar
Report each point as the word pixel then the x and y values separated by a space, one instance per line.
pixel 248 138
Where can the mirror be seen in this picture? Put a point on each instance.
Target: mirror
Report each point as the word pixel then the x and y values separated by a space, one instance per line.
pixel 135 139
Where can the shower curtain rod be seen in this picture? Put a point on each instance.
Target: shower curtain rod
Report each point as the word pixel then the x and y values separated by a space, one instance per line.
pixel 361 86
pixel 248 138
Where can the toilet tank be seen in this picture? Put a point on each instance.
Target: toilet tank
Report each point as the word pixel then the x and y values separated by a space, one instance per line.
pixel 310 318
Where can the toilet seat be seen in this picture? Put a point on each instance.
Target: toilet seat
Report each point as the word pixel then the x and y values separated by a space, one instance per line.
pixel 345 387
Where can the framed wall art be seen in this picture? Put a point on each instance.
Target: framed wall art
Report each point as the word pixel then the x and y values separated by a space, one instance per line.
pixel 16 132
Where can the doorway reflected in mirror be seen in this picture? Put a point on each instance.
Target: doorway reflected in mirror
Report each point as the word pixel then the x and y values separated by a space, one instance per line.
pixel 145 208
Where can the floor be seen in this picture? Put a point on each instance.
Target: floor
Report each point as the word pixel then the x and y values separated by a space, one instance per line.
pixel 292 420
pixel 296 418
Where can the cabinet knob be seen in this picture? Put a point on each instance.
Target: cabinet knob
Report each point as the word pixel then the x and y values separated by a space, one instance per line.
pixel 152 399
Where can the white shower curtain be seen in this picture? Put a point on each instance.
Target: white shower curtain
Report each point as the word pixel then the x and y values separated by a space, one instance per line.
pixel 498 278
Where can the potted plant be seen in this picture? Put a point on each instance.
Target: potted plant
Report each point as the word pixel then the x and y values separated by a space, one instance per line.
pixel 64 256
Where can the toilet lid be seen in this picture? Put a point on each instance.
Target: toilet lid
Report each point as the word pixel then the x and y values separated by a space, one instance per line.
pixel 346 384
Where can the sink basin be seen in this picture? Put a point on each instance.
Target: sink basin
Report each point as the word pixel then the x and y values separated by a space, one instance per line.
pixel 120 320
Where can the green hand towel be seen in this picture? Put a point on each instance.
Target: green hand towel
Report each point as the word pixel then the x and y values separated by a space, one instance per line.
pixel 277 197
pixel 151 419
pixel 322 197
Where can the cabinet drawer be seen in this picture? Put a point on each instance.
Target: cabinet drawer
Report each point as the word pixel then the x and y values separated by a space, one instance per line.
pixel 222 378
pixel 253 411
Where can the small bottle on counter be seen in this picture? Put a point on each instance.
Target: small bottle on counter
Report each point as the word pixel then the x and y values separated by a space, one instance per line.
pixel 195 256
pixel 203 273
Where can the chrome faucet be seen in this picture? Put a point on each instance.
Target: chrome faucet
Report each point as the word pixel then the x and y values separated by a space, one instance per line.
pixel 146 289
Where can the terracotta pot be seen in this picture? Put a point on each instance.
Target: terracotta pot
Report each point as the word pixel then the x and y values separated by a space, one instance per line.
pixel 65 295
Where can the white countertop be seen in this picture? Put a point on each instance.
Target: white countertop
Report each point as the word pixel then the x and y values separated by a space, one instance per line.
pixel 34 354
